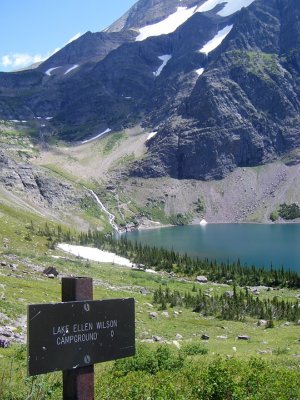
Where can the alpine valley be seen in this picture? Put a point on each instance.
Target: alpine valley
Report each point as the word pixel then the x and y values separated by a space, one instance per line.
pixel 179 111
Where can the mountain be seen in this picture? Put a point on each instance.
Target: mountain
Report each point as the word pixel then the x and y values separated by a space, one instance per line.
pixel 216 82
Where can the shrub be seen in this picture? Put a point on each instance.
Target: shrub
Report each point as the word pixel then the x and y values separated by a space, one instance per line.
pixel 147 360
pixel 193 349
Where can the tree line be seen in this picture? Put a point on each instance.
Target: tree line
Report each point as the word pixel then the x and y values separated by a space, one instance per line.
pixel 235 305
pixel 170 261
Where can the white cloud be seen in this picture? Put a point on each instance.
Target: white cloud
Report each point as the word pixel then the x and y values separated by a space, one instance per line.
pixel 20 60
pixel 10 62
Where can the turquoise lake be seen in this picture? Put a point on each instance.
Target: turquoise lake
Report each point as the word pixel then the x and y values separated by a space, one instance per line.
pixel 254 244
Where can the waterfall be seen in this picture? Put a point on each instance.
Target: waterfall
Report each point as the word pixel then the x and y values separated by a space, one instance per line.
pixel 111 217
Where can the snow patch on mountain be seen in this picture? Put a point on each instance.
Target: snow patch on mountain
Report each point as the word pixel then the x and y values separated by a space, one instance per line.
pixel 96 137
pixel 233 6
pixel 182 14
pixel 230 6
pixel 165 58
pixel 94 254
pixel 200 71
pixel 71 69
pixel 168 25
pixel 209 5
pixel 216 41
pixel 151 135
pixel 48 72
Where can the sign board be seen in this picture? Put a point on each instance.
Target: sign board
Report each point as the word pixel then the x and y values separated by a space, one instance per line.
pixel 64 336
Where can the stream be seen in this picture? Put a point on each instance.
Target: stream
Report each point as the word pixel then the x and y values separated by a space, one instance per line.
pixel 111 217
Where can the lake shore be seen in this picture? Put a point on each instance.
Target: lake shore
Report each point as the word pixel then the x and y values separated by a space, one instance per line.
pixel 262 245
pixel 152 225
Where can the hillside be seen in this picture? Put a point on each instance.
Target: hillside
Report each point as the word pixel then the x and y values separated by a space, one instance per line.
pixel 55 182
pixel 173 340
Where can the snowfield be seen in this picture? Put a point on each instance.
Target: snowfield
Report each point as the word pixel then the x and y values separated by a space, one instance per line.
pixel 233 6
pixel 200 71
pixel 229 6
pixel 96 137
pixel 71 69
pixel 168 25
pixel 217 40
pixel 48 72
pixel 165 58
pixel 182 14
pixel 93 254
pixel 151 135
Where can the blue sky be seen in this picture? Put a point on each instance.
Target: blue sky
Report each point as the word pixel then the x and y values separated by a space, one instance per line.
pixel 33 29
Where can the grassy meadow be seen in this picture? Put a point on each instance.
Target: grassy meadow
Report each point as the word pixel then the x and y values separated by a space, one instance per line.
pixel 172 361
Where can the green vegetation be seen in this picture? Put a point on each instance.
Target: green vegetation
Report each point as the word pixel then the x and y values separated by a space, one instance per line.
pixel 194 349
pixel 200 206
pixel 274 216
pixel 286 211
pixel 112 141
pixel 257 62
pixel 155 211
pixel 264 367
pixel 19 138
pixel 289 212
pixel 179 219
pixel 165 260
pixel 162 374
pixel 235 305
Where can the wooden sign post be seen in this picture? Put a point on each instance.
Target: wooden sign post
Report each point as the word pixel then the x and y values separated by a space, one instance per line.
pixel 78 384
pixel 74 335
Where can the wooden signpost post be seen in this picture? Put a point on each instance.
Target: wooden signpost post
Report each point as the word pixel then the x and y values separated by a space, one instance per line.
pixel 74 335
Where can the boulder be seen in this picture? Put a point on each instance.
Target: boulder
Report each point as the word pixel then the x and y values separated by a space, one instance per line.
pixel 50 271
pixel 144 291
pixel 3 263
pixel 262 322
pixel 153 314
pixel 157 338
pixel 243 337
pixel 204 337
pixel 178 336
pixel 165 314
pixel 4 342
pixel 6 332
pixel 201 279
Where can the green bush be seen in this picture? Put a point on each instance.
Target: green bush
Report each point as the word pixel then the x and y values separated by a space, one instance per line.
pixel 274 216
pixel 147 360
pixel 289 212
pixel 193 349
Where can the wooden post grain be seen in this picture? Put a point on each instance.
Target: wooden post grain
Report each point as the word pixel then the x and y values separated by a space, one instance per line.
pixel 78 384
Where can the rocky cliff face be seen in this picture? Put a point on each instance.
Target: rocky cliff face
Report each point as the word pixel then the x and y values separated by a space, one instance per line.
pixel 244 109
pixel 221 90
pixel 38 186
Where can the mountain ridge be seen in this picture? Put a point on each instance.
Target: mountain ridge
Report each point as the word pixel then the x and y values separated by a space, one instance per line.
pixel 219 92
